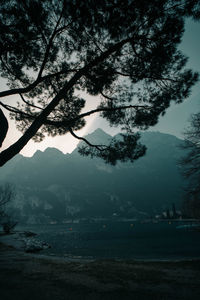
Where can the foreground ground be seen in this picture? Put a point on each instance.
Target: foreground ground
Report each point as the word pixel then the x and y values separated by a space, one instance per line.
pixel 29 277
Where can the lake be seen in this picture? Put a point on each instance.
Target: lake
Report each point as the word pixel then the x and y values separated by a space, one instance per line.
pixel 119 240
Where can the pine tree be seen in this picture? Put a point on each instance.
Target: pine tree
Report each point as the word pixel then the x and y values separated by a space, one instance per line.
pixel 52 53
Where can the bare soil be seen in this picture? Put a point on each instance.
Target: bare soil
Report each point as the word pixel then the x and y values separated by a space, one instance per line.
pixel 32 277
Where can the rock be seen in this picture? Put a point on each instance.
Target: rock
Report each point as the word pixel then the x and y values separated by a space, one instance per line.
pixel 24 241
pixel 29 233
pixel 32 245
pixel 33 248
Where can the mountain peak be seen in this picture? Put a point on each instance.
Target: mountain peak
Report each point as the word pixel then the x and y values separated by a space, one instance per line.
pixel 52 150
pixel 48 152
pixel 37 153
pixel 99 133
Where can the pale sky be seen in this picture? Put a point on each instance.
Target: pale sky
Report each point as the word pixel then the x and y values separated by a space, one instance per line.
pixel 174 122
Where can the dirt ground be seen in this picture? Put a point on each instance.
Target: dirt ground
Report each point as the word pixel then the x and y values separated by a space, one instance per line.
pixel 24 276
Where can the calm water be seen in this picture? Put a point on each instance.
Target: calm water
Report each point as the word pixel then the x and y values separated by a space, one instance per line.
pixel 124 240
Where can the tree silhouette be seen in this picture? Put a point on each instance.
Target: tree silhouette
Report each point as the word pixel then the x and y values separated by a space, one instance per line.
pixel 190 164
pixel 3 128
pixel 124 51
pixel 6 195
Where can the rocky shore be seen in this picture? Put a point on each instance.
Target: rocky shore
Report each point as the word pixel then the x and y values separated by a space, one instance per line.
pixel 24 240
pixel 31 276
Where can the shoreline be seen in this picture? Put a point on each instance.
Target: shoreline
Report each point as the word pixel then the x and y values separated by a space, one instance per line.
pixel 37 276
pixel 16 241
pixel 139 260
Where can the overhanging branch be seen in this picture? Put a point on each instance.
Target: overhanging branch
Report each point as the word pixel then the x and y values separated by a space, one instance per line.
pixel 42 117
pixel 29 104
pixel 98 147
pixel 35 83
pixel 87 114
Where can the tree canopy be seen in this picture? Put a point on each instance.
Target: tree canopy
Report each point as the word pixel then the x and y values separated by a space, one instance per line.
pixel 7 195
pixel 190 164
pixel 124 51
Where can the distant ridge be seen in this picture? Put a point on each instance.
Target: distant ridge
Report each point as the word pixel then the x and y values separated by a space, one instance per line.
pixel 54 186
pixel 48 151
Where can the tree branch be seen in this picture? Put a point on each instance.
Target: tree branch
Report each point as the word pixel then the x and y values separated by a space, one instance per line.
pixel 107 97
pixel 41 118
pixel 49 45
pixel 17 111
pixel 69 122
pixel 29 104
pixel 98 147
pixel 8 69
pixel 87 114
pixel 35 23
pixel 35 83
pixel 152 77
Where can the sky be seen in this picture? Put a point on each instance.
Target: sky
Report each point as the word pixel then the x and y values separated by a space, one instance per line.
pixel 173 122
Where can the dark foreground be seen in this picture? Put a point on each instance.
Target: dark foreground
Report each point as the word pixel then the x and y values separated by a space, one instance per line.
pixel 24 276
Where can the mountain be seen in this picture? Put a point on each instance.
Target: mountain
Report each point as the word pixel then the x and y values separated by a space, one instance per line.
pixel 96 137
pixel 52 186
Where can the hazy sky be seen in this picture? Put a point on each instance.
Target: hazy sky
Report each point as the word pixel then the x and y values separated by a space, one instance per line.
pixel 174 122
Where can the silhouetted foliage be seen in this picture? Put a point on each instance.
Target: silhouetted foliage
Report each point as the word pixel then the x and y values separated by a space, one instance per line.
pixel 8 224
pixel 7 194
pixel 125 52
pixel 191 167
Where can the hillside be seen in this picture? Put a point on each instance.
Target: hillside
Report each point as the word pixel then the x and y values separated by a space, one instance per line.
pixel 52 186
